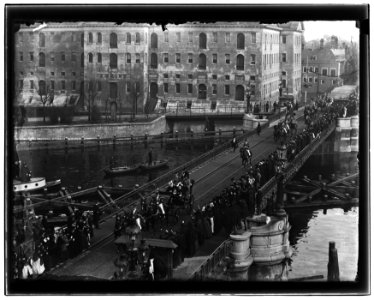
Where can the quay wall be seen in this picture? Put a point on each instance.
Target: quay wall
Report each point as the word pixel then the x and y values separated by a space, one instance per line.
pixel 90 131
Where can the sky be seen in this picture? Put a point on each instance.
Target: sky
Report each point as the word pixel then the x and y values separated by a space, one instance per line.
pixel 342 29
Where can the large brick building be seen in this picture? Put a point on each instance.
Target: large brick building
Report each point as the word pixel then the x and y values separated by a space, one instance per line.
pixel 134 67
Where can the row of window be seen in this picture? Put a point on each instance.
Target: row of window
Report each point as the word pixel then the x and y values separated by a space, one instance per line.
pixel 202 90
pixel 296 41
pixel 202 59
pixel 270 59
pixel 203 39
pixel 113 59
pixel 324 71
pixel 113 39
pixel 315 80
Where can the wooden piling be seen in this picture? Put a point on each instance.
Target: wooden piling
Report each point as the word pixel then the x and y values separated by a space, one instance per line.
pixel 333 264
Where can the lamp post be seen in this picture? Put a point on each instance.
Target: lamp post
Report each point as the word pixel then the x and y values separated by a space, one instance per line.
pixel 248 97
pixel 282 154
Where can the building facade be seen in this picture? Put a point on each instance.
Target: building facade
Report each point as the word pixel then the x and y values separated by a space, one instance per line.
pixel 135 67
pixel 291 54
pixel 322 68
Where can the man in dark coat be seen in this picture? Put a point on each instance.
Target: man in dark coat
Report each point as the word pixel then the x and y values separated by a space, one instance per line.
pixel 258 129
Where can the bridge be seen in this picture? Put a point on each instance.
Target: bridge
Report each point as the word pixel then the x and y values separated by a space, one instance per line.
pixel 212 172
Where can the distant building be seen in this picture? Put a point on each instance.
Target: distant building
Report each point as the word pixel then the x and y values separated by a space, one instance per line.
pixel 134 67
pixel 290 64
pixel 322 68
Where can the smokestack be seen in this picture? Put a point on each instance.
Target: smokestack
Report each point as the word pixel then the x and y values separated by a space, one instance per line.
pixel 321 44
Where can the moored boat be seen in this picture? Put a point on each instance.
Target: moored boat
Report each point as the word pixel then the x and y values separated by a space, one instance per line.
pixel 120 170
pixel 155 165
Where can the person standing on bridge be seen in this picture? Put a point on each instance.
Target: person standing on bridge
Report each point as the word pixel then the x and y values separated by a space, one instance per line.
pixel 258 129
pixel 234 143
pixel 150 156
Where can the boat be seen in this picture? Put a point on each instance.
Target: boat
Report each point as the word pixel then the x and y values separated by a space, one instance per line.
pixel 155 165
pixel 120 170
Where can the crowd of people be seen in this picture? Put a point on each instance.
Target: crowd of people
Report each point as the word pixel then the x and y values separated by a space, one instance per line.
pixel 51 244
pixel 191 224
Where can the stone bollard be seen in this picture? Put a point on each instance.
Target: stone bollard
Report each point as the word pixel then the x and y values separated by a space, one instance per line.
pixel 333 264
pixel 325 198
pixel 176 134
pixel 45 191
pixel 240 256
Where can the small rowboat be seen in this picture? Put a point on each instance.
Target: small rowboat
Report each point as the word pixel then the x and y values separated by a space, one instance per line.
pixel 120 170
pixel 155 165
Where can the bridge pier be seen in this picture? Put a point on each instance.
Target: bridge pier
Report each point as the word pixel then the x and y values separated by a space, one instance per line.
pixel 346 134
pixel 240 255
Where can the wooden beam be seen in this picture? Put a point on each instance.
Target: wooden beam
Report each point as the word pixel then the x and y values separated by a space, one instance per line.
pixel 343 179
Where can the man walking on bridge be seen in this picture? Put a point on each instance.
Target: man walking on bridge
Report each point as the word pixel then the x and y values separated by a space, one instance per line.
pixel 258 129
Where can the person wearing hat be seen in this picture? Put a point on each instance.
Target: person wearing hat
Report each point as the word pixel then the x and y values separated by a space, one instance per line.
pixel 96 216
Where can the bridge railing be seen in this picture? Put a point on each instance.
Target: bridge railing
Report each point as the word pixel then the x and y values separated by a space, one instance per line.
pixel 208 266
pixel 300 158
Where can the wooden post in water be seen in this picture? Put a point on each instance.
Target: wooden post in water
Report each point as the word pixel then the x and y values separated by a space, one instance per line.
pixel 333 264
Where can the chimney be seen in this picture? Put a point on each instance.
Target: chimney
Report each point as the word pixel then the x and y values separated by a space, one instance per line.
pixel 321 44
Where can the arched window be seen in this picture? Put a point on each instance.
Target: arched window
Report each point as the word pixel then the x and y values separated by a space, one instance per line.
pixel 202 41
pixel 113 40
pixel 99 38
pixel 202 91
pixel 41 59
pixel 82 60
pixel 113 90
pixel 42 90
pixel 128 38
pixel 154 41
pixel 202 61
pixel 137 38
pixel 90 57
pixel 113 60
pixel 41 40
pixel 240 41
pixel 90 37
pixel 240 62
pixel 154 62
pixel 99 58
pixel 239 93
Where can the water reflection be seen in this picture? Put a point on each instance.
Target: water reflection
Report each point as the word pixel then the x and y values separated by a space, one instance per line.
pixel 313 229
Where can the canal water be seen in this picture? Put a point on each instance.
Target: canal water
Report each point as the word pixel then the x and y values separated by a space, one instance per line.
pixel 312 229
pixel 85 166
